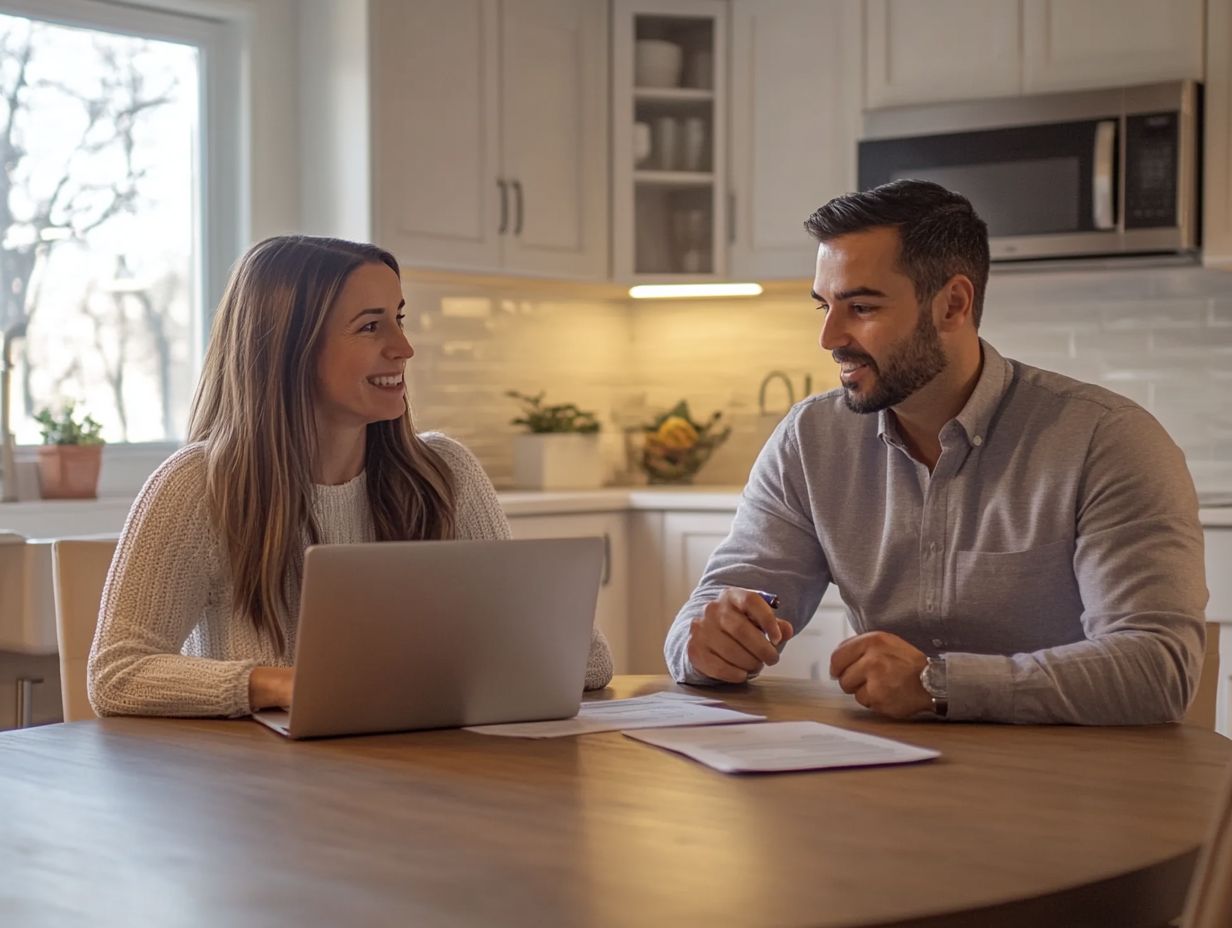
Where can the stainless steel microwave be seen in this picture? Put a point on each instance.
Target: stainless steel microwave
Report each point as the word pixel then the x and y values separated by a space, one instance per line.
pixel 1084 174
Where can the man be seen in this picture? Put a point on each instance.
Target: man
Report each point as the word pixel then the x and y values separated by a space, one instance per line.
pixel 1013 545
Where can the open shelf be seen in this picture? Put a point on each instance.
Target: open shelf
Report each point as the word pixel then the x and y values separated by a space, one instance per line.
pixel 672 95
pixel 673 178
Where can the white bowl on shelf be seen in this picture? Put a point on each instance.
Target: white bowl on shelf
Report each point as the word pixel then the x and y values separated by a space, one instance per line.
pixel 657 63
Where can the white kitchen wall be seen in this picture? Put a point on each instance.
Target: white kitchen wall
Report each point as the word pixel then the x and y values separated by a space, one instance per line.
pixel 1160 336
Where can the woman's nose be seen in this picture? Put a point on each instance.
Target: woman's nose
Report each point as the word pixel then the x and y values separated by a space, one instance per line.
pixel 401 347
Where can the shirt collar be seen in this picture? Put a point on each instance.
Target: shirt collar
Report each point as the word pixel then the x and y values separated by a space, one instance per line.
pixel 976 416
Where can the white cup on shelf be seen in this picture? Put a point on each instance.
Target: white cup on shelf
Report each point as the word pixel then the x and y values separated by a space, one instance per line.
pixel 666 143
pixel 642 144
pixel 693 144
pixel 657 63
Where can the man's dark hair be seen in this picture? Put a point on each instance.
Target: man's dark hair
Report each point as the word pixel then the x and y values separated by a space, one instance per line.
pixel 939 233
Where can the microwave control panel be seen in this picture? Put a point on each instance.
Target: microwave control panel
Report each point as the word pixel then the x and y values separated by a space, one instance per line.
pixel 1151 157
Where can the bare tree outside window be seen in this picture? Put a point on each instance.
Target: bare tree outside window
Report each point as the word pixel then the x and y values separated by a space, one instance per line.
pixel 99 221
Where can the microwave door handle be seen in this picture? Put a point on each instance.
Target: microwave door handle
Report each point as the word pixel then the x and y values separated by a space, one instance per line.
pixel 1102 173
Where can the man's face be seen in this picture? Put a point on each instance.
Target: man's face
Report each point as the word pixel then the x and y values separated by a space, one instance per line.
pixel 883 340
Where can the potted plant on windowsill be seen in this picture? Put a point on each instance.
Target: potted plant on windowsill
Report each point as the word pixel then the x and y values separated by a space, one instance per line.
pixel 560 448
pixel 71 456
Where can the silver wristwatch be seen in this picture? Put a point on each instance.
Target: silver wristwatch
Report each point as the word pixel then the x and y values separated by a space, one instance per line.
pixel 932 678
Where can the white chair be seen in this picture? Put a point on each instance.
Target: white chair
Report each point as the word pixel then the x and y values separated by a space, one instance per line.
pixel 1202 709
pixel 1209 903
pixel 80 569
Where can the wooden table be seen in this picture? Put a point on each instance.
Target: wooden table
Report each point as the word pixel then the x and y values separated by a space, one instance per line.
pixel 224 823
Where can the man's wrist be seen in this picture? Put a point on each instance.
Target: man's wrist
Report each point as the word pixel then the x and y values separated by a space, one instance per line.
pixel 936 684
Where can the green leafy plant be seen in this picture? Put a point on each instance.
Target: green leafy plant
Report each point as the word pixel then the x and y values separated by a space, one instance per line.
pixel 66 428
pixel 564 417
pixel 677 445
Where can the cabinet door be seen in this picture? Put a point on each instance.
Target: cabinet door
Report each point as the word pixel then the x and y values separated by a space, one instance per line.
pixel 1217 160
pixel 554 106
pixel 435 127
pixel 793 127
pixel 807 656
pixel 1074 44
pixel 611 612
pixel 940 50
pixel 689 538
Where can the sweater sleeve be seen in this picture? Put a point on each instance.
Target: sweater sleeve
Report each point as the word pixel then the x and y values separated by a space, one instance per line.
pixel 163 574
pixel 479 516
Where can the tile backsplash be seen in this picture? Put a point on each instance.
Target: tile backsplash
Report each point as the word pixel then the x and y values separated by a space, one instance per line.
pixel 1160 336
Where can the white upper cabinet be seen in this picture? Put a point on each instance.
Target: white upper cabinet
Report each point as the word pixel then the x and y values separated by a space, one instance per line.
pixel 795 119
pixel 436 131
pixel 1217 170
pixel 489 121
pixel 924 51
pixel 935 51
pixel 554 129
pixel 1074 44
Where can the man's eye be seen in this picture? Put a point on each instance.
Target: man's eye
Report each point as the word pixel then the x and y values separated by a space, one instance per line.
pixel 861 308
pixel 823 308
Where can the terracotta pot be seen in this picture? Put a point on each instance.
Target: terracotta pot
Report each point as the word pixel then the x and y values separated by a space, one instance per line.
pixel 69 471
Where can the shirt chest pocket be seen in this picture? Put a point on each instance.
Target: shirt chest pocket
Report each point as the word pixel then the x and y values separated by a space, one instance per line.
pixel 1019 594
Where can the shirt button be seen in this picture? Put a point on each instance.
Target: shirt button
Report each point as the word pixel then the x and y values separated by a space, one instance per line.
pixel 978 440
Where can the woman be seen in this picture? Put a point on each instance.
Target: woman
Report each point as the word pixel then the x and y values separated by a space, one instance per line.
pixel 299 434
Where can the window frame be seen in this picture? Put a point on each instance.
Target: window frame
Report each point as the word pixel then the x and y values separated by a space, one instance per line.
pixel 219 32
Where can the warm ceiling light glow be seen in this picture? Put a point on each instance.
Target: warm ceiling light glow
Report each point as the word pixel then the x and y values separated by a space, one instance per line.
pixel 682 291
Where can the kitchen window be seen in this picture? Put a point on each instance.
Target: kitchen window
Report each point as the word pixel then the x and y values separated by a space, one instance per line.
pixel 117 156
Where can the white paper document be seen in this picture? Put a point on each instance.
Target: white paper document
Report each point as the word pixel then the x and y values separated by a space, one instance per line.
pixel 653 711
pixel 772 746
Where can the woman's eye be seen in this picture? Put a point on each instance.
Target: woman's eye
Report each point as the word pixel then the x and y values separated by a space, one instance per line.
pixel 401 317
pixel 368 327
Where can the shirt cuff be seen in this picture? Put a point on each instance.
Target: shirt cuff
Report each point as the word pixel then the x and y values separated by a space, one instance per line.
pixel 980 687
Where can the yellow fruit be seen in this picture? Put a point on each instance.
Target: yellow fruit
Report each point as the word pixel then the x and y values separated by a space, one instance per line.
pixel 677 433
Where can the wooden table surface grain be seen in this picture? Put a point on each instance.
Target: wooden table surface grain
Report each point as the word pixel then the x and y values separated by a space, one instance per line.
pixel 221 823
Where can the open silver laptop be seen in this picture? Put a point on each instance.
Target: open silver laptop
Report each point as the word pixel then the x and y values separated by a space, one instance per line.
pixel 397 636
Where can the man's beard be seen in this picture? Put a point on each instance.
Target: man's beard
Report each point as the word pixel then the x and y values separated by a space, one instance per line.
pixel 909 367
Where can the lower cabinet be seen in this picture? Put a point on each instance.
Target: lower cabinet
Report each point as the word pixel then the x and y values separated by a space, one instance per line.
pixel 687 541
pixel 612 611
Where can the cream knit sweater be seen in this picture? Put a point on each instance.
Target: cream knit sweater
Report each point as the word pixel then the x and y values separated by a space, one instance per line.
pixel 168 642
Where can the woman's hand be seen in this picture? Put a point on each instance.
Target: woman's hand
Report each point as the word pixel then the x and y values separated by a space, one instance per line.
pixel 270 686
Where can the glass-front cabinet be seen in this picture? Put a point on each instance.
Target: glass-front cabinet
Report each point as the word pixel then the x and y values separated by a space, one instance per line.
pixel 669 83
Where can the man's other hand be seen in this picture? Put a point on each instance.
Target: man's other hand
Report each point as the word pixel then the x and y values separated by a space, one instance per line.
pixel 883 672
pixel 735 636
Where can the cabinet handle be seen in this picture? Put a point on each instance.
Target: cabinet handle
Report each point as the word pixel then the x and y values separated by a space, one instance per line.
pixel 504 192
pixel 607 559
pixel 517 196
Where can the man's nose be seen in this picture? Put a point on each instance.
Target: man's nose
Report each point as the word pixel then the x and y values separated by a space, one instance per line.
pixel 833 332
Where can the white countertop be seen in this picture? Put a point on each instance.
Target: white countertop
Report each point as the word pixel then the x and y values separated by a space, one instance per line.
pixel 57 518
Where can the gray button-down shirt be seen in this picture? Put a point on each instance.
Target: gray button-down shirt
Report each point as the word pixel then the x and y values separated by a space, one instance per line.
pixel 1054 554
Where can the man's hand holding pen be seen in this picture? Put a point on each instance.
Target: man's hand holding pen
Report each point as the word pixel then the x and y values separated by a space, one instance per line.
pixel 736 635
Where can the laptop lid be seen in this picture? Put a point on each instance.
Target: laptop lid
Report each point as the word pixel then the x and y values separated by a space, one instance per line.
pixel 397 636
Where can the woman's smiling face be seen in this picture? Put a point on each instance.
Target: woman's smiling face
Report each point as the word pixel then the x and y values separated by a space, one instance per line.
pixel 364 351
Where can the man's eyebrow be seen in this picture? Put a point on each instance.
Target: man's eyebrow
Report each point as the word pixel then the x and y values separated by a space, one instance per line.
pixel 375 311
pixel 855 292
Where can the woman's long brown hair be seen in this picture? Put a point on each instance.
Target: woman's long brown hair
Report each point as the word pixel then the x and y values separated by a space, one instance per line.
pixel 253 409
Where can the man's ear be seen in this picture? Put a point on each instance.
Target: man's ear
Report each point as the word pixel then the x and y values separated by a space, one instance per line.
pixel 954 304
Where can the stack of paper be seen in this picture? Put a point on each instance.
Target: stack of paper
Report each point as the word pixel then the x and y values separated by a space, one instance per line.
pixel 657 710
pixel 783 746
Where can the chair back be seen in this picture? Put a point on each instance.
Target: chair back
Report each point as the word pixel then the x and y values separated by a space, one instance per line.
pixel 80 569
pixel 1209 903
pixel 1202 709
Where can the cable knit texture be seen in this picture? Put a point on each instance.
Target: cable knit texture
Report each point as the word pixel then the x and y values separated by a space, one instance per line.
pixel 168 642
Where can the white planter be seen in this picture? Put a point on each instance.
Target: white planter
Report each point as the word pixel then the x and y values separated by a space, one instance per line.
pixel 557 461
